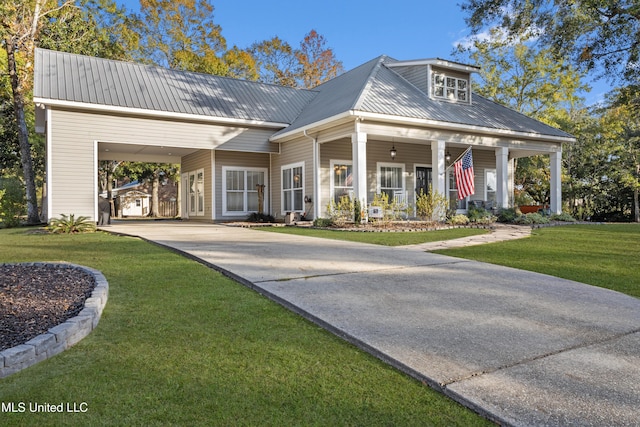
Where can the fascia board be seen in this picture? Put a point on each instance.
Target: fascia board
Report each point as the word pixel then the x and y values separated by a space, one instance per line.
pixel 158 114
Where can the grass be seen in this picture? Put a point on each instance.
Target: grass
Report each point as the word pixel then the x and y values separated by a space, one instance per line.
pixel 380 238
pixel 601 255
pixel 179 344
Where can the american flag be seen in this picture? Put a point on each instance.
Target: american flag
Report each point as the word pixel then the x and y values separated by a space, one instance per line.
pixel 464 175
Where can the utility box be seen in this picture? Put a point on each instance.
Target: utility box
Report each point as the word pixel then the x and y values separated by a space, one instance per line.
pixel 291 217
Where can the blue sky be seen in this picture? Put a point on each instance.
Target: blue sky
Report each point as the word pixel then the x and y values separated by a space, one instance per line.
pixel 356 30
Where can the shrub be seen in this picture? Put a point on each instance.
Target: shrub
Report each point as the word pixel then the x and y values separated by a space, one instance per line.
pixel 459 219
pixel 342 212
pixel 322 222
pixel 531 218
pixel 260 217
pixel 71 225
pixel 357 212
pixel 562 217
pixel 507 215
pixel 431 206
pixel 12 201
pixel 480 215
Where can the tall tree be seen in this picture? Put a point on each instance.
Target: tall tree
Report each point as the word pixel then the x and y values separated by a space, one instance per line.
pixel 317 62
pixel 276 62
pixel 20 23
pixel 592 32
pixel 153 173
pixel 528 79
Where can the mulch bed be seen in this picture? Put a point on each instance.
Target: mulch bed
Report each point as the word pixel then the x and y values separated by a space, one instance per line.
pixel 35 298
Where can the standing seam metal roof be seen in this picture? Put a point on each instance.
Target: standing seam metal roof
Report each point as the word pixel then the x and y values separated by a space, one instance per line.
pixel 76 78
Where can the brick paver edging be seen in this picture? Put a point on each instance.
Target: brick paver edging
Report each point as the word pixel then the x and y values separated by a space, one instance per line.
pixel 60 337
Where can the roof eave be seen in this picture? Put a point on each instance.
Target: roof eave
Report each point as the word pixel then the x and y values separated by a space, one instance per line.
pixel 158 114
pixel 353 114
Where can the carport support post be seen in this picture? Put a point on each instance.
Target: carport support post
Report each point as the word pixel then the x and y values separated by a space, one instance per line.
pixel 359 153
pixel 502 177
pixel 555 186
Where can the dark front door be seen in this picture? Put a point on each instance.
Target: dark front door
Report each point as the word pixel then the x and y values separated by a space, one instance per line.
pixel 423 180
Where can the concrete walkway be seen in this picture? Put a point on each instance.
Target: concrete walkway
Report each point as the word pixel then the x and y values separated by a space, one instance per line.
pixel 520 348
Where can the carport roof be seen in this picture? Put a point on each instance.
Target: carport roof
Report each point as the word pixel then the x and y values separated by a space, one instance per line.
pixel 71 78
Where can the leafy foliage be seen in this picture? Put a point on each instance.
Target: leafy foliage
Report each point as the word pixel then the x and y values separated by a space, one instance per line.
pixel 12 202
pixel 71 225
pixel 591 32
pixel 342 212
pixel 431 206
pixel 260 218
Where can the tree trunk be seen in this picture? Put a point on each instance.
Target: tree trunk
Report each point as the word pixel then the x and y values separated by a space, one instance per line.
pixel 23 135
pixel 155 203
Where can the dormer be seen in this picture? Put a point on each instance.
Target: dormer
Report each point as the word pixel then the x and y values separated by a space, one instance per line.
pixel 440 79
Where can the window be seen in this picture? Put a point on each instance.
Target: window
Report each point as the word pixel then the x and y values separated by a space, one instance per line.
pixel 341 179
pixel 195 200
pixel 391 179
pixel 293 188
pixel 490 186
pixel 451 88
pixel 452 191
pixel 240 186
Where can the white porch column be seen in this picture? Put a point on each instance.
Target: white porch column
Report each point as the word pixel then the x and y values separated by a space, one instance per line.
pixel 359 157
pixel 556 181
pixel 438 166
pixel 502 177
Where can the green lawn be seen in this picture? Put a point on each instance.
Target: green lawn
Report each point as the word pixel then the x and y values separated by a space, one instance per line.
pixel 179 344
pixel 601 255
pixel 381 238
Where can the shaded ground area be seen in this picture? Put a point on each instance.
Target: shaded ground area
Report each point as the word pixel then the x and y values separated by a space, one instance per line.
pixel 35 298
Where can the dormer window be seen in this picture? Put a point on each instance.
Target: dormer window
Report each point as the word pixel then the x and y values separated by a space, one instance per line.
pixel 450 88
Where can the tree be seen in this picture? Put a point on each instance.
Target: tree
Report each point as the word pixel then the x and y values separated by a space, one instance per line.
pixel 20 23
pixel 276 62
pixel 317 63
pixel 591 32
pixel 526 77
pixel 153 173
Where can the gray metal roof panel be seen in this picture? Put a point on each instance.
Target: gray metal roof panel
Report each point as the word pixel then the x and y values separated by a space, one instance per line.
pixel 83 79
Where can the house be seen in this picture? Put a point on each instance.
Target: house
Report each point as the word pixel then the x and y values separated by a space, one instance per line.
pixel 306 147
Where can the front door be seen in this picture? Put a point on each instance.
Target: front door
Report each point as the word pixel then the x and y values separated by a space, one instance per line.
pixel 423 180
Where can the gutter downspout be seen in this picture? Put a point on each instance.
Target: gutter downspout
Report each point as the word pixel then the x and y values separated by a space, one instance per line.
pixel 316 174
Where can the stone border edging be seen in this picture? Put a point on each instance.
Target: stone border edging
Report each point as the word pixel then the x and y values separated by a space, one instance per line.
pixel 60 337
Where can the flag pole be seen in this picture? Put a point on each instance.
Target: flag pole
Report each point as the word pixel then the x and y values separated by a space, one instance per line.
pixel 459 157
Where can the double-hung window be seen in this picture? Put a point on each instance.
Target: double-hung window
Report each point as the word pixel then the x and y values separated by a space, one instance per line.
pixel 293 188
pixel 391 179
pixel 241 189
pixel 341 179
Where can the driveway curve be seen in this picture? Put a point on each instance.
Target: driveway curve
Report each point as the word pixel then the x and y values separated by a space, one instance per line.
pixel 521 348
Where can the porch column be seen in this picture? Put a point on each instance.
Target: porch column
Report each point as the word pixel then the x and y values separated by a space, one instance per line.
pixel 556 181
pixel 359 156
pixel 502 177
pixel 438 166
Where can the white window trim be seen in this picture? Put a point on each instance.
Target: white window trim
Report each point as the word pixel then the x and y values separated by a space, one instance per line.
pixel 445 97
pixel 486 180
pixel 224 189
pixel 193 210
pixel 450 174
pixel 282 190
pixel 392 165
pixel 333 163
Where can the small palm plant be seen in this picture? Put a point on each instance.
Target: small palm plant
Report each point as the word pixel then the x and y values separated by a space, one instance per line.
pixel 71 225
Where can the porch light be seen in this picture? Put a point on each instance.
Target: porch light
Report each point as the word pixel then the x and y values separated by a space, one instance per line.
pixel 447 157
pixel 393 152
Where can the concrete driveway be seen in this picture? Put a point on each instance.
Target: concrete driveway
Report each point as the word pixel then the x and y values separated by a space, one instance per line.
pixel 520 348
